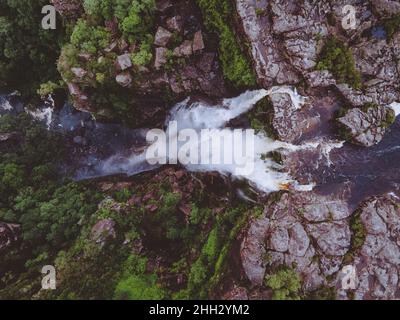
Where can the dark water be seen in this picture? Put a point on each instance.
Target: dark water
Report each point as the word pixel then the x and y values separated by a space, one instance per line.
pixel 367 171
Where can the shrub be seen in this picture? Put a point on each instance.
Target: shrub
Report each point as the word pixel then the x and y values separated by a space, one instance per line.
pixel 338 59
pixel 218 16
pixel 285 284
pixel 139 288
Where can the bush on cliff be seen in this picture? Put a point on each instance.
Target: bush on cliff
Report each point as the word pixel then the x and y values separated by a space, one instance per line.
pixel 218 15
pixel 338 59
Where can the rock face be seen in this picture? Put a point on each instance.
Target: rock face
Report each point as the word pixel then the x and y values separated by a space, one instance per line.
pixel 286 39
pixel 368 127
pixel 103 231
pixel 313 234
pixel 377 263
pixel 305 230
pixel 162 37
pixel 9 234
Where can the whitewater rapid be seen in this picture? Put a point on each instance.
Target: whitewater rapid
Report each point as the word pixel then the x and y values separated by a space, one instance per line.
pixel 267 175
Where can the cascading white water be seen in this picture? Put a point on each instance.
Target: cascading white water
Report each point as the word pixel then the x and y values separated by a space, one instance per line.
pixel 267 174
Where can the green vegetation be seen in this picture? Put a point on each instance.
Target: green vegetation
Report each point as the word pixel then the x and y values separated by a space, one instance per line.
pixel 358 235
pixel 392 26
pixel 28 53
pixel 89 49
pixel 261 117
pixel 218 16
pixel 285 284
pixel 33 195
pixel 338 59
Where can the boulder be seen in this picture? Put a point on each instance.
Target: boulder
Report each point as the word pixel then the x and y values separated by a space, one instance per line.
pixel 367 127
pixel 162 37
pixel 185 49
pixel 161 57
pixel 124 62
pixel 198 42
pixel 175 23
pixel 103 231
pixel 79 72
pixel 124 79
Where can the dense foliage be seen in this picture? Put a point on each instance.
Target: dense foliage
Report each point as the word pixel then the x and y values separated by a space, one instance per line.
pixel 92 39
pixel 218 18
pixel 33 195
pixel 338 59
pixel 28 53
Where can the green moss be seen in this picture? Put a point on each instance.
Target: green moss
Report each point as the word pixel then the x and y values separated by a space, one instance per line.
pixel 338 59
pixel 285 284
pixel 218 16
pixel 358 236
pixel 390 117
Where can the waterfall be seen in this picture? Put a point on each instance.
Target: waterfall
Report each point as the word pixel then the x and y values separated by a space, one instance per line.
pixel 266 174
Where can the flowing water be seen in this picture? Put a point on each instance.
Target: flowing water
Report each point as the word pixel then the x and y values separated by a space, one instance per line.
pixel 109 149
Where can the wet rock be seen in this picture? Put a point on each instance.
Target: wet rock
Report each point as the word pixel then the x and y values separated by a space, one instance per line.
pixel 288 122
pixel 124 79
pixel 124 61
pixel 9 234
pixel 367 127
pixel 81 100
pixel 162 37
pixel 161 57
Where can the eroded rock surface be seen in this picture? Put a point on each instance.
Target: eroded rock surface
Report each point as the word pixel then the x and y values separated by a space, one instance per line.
pixel 367 127
pixel 287 37
pixel 315 235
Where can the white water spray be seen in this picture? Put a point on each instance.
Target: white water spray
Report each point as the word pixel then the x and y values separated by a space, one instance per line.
pixel 267 174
